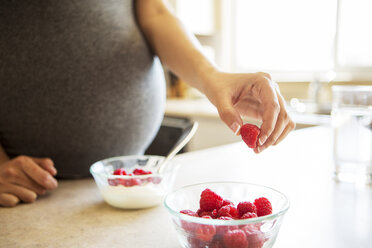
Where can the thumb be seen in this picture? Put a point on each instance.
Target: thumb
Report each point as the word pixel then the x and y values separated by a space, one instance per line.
pixel 230 116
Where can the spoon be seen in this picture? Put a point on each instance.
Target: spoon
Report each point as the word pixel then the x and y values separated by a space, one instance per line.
pixel 183 140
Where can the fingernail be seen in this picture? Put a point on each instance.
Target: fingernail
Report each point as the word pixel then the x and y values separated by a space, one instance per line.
pixel 262 140
pixel 54 171
pixel 51 182
pixel 235 127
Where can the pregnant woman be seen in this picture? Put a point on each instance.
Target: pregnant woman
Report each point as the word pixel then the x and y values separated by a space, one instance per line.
pixel 81 81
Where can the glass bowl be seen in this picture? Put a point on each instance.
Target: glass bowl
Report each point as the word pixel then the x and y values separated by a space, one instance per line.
pixel 195 232
pixel 136 191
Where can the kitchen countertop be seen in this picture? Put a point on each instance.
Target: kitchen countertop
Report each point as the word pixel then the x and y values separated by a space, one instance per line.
pixel 323 213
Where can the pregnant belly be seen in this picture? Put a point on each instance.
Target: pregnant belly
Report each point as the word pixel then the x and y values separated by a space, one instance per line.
pixel 78 82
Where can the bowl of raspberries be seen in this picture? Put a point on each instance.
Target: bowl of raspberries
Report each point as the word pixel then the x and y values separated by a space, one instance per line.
pixel 226 215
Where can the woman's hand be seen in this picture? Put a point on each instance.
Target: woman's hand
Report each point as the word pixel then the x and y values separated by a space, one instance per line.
pixel 24 178
pixel 253 95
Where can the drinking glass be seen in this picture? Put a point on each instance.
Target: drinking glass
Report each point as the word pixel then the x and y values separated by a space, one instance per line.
pixel 352 133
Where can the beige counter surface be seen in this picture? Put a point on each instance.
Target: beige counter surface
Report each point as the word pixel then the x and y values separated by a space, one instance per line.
pixel 75 216
pixel 323 213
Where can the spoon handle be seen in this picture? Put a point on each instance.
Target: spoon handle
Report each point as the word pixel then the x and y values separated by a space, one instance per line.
pixel 183 140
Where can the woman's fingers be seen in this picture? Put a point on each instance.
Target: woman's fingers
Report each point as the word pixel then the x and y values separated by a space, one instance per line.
pixel 24 178
pixel 46 163
pixel 36 173
pixel 280 125
pixel 25 181
pixel 22 193
pixel 8 200
pixel 255 96
pixel 229 114
pixel 13 174
pixel 270 108
pixel 291 125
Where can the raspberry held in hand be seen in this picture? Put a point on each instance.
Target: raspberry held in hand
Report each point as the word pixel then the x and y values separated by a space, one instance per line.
pixel 250 134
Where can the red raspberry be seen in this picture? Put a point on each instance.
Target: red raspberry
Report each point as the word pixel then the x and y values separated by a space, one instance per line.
pixel 228 211
pixel 250 134
pixel 214 214
pixel 222 229
pixel 141 172
pixel 263 206
pixel 248 215
pixel 112 182
pixel 235 239
pixel 255 237
pixel 227 202
pixel 209 200
pixel 135 181
pixel 199 212
pixel 234 212
pixel 189 212
pixel 128 182
pixel 188 226
pixel 205 232
pixel 121 181
pixel 225 218
pixel 120 171
pixel 244 207
pixel 216 244
pixel 195 242
pixel 224 211
pixel 206 213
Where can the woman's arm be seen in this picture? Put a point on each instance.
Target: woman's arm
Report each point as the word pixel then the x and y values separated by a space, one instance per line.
pixel 234 95
pixel 177 49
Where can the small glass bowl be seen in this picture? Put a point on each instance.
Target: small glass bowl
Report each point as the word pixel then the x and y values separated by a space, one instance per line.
pixel 195 232
pixel 137 191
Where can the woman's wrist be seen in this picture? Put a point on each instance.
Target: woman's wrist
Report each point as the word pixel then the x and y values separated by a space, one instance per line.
pixel 207 77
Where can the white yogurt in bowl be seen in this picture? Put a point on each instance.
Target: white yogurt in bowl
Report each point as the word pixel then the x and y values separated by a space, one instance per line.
pixel 133 197
pixel 149 190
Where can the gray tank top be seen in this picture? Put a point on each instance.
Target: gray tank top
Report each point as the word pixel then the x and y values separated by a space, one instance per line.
pixel 78 82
